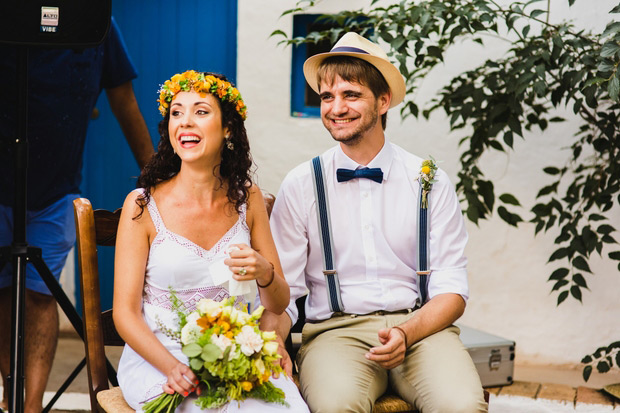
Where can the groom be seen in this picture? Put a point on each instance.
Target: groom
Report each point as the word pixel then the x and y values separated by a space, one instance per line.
pixel 364 328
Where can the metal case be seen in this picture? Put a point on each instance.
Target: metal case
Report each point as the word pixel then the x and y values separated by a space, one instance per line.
pixel 493 356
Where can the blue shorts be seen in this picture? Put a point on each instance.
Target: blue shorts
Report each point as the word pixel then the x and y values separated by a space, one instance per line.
pixel 52 229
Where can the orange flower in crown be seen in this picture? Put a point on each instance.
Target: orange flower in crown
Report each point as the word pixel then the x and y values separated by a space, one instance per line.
pixel 202 84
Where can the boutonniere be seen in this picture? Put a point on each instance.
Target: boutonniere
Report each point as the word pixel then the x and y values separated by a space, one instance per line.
pixel 427 178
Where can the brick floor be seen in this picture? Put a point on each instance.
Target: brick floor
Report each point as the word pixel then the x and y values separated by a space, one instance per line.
pixel 557 392
pixel 587 395
pixel 521 388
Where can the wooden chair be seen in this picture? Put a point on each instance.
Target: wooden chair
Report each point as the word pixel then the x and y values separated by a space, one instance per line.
pixel 97 228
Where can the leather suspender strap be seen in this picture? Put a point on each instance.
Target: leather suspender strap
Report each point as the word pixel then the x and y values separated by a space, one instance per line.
pixel 322 213
pixel 423 272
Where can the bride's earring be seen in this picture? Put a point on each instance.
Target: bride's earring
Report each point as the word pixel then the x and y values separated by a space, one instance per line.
pixel 229 143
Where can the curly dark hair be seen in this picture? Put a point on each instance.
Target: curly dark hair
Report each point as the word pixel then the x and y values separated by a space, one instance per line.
pixel 235 168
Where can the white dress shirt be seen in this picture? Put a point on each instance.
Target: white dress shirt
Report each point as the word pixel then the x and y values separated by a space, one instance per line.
pixel 374 229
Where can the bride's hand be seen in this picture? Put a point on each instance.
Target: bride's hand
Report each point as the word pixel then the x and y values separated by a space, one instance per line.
pixel 247 264
pixel 181 379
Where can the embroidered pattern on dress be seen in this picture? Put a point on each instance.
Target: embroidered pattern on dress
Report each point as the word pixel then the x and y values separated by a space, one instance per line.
pixel 209 255
pixel 154 391
pixel 189 297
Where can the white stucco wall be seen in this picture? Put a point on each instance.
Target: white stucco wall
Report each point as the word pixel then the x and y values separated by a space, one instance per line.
pixel 507 266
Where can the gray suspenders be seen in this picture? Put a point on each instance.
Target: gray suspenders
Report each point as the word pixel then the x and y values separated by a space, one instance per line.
pixel 327 249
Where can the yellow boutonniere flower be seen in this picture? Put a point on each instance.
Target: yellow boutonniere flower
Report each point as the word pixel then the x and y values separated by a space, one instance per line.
pixel 427 178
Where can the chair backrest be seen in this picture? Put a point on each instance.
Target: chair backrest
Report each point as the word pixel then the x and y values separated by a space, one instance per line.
pixel 95 228
pixel 269 200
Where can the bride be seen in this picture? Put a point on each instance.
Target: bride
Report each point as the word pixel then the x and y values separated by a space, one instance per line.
pixel 195 211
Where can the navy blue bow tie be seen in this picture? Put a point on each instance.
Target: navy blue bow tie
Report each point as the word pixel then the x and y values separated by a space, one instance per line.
pixel 344 175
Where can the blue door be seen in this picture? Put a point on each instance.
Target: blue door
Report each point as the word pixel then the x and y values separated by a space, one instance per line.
pixel 163 38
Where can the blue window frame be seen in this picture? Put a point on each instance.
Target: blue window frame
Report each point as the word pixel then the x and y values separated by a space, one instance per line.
pixel 304 101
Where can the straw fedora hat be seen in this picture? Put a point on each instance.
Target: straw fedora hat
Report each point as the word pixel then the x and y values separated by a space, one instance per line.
pixel 354 45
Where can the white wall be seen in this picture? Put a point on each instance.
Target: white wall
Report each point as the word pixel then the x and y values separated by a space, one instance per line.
pixel 507 266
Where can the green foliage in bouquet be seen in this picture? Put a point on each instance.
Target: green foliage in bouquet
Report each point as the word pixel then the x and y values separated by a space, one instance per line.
pixel 230 355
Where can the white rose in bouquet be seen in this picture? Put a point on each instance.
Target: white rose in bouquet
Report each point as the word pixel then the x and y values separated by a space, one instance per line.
pixel 209 307
pixel 249 340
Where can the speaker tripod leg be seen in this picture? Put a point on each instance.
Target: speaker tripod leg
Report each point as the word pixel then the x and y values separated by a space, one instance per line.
pixel 16 373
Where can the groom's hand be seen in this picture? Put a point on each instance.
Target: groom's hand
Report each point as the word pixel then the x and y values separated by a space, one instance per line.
pixel 285 361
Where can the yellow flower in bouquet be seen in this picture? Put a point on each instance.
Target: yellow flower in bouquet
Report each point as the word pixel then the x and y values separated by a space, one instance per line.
pixel 232 357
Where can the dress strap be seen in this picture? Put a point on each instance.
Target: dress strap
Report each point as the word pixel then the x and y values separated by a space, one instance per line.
pixel 155 216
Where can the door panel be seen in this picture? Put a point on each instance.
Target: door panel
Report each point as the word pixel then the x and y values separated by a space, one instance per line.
pixel 163 38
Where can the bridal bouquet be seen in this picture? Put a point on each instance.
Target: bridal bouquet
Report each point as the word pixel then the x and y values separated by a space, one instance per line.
pixel 231 357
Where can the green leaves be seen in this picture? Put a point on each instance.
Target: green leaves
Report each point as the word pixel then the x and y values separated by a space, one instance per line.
pixel 604 358
pixel 613 87
pixel 510 218
pixel 609 49
pixel 192 350
pixel 580 263
pixel 210 353
pixel 195 363
pixel 509 199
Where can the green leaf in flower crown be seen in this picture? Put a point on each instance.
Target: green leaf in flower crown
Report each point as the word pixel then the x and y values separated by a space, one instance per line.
pixel 192 350
pixel 210 353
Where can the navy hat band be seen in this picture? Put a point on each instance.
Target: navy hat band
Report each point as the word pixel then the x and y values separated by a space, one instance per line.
pixel 348 49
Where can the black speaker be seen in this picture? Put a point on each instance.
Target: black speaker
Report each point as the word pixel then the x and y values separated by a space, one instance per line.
pixel 55 23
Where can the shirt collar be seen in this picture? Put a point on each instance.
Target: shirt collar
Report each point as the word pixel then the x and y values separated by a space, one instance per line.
pixel 382 160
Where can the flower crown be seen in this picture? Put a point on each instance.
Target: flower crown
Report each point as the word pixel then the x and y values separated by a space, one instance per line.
pixel 202 84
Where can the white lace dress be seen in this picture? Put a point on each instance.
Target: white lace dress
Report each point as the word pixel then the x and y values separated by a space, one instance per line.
pixel 176 262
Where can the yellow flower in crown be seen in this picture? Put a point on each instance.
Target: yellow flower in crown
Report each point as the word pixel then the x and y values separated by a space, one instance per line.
pixel 210 80
pixel 202 84
pixel 192 75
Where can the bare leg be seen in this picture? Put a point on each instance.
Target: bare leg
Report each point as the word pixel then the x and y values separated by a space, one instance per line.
pixel 41 337
pixel 41 333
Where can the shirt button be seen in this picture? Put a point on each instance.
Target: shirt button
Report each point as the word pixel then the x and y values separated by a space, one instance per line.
pixel 365 194
pixel 366 227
